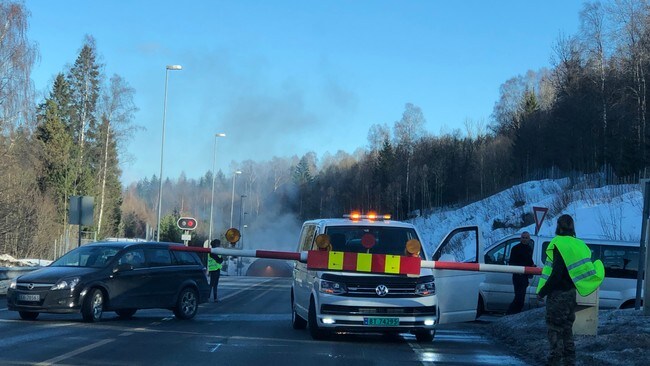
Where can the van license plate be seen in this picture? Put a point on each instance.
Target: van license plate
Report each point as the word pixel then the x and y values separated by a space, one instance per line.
pixel 381 322
pixel 25 297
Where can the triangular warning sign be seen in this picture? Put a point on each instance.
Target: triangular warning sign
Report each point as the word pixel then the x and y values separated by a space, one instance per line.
pixel 540 214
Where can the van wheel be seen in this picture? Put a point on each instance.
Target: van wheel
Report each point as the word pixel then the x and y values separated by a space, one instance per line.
pixel 126 313
pixel 93 306
pixel 424 335
pixel 315 332
pixel 297 322
pixel 480 308
pixel 28 315
pixel 187 304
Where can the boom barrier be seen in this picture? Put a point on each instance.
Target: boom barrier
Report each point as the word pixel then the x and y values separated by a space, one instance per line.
pixel 362 262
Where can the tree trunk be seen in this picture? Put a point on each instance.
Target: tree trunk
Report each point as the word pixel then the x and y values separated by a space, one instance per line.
pixel 101 204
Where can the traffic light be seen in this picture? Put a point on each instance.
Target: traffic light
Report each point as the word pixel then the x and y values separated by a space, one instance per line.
pixel 186 223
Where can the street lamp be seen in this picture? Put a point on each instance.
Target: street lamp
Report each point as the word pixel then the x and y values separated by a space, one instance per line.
pixel 241 209
pixel 214 162
pixel 162 146
pixel 232 199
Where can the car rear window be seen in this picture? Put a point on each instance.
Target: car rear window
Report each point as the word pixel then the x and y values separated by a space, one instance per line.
pixel 185 258
pixel 158 257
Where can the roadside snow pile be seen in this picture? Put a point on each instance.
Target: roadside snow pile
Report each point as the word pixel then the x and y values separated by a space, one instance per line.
pixel 8 261
pixel 623 338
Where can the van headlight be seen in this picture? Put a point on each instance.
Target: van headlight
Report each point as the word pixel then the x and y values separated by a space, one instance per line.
pixel 12 284
pixel 331 287
pixel 425 289
pixel 66 284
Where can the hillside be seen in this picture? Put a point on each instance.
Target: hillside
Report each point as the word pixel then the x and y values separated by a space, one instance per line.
pixel 610 212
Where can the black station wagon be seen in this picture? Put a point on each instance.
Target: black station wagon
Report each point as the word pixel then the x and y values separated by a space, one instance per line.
pixel 113 276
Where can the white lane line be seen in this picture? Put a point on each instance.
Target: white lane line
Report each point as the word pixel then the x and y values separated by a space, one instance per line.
pixel 215 348
pixel 4 309
pixel 74 353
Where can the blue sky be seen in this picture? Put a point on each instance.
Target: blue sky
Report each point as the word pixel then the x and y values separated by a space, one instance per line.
pixel 282 78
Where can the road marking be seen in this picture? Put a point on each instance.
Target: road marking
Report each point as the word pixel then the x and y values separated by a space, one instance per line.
pixel 74 353
pixel 215 348
pixel 244 289
pixel 5 309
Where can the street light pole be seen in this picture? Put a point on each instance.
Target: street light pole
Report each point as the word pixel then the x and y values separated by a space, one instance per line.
pixel 214 162
pixel 241 210
pixel 162 146
pixel 232 198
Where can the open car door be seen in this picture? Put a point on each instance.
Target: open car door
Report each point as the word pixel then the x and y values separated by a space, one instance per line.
pixel 457 291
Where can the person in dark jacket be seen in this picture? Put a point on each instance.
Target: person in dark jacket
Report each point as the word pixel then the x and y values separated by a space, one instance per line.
pixel 520 255
pixel 214 267
pixel 561 302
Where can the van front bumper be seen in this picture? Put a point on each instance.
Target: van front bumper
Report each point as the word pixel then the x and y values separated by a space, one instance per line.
pixel 372 314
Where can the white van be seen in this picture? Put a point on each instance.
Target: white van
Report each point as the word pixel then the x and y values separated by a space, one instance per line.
pixel 618 290
pixel 328 301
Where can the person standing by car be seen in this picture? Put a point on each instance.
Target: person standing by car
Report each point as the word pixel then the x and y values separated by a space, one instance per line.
pixel 568 268
pixel 520 255
pixel 214 267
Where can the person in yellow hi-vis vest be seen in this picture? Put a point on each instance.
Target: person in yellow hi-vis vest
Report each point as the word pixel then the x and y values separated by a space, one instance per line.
pixel 568 268
pixel 214 267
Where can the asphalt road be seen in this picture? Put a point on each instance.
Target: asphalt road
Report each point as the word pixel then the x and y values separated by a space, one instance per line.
pixel 249 326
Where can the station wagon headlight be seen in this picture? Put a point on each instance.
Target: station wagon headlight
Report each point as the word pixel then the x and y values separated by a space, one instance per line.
pixel 69 283
pixel 425 289
pixel 332 288
pixel 12 284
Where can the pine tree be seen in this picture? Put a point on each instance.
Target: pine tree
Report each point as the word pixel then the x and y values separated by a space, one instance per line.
pixel 84 80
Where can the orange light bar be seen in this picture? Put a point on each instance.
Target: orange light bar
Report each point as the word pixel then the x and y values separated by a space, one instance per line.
pixel 355 216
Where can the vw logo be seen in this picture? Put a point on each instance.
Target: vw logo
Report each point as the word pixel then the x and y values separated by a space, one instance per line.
pixel 381 290
pixel 30 286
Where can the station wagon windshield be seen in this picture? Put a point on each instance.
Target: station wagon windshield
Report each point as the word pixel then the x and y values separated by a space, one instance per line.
pixel 94 257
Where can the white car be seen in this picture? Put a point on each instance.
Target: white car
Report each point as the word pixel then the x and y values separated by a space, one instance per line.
pixel 618 290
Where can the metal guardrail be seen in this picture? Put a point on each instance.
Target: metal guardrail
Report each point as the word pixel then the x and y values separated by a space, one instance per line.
pixel 9 273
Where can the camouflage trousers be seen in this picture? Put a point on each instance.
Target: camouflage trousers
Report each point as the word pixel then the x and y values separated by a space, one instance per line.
pixel 560 315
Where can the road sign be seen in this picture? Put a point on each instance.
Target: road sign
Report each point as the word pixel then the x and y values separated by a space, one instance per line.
pixel 186 237
pixel 186 223
pixel 540 214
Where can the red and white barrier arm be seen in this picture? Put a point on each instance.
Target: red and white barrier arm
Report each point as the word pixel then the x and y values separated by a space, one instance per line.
pixel 272 254
pixel 481 267
pixel 302 257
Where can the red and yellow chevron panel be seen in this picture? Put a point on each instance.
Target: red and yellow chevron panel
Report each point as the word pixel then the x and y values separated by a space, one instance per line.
pixel 362 262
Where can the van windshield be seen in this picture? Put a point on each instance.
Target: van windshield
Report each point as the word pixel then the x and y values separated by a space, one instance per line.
pixel 94 257
pixel 371 239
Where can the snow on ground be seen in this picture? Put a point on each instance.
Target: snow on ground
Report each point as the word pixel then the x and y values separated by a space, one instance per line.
pixel 611 212
pixel 623 338
pixel 8 261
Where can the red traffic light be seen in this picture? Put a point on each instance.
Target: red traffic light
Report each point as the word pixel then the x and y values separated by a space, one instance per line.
pixel 186 223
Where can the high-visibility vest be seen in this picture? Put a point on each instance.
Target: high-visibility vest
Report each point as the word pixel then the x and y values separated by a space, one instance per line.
pixel 585 274
pixel 212 264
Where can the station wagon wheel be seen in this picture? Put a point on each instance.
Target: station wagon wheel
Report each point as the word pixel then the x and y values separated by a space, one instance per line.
pixel 28 315
pixel 126 313
pixel 297 322
pixel 187 304
pixel 93 306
